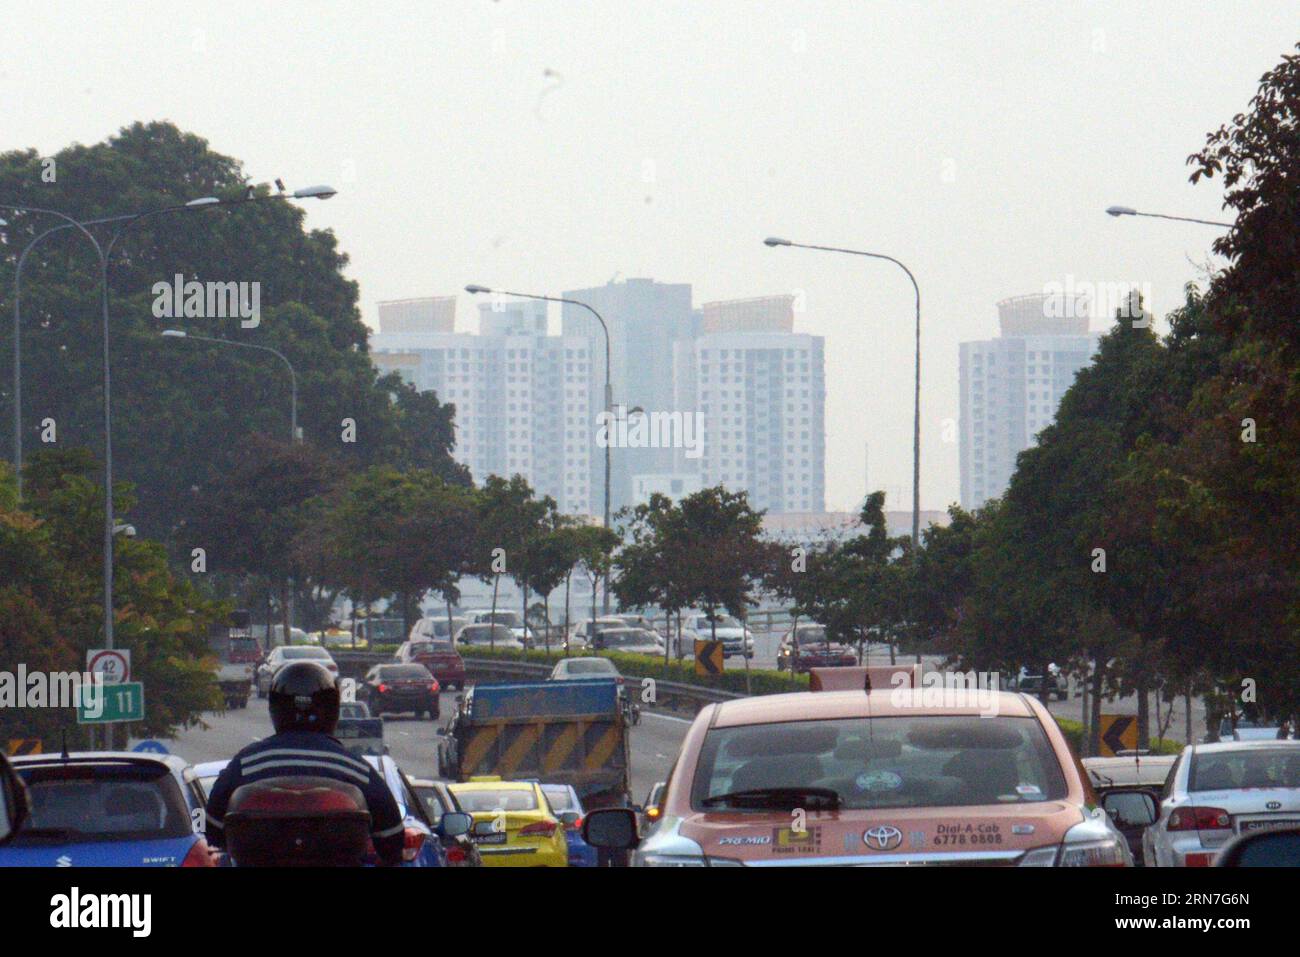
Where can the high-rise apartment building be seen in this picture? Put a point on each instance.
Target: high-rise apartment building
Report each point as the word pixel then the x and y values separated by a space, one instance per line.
pixel 522 397
pixel 1012 385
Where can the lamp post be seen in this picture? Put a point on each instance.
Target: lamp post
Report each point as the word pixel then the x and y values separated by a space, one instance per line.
pixel 294 435
pixel 916 419
pixel 1130 211
pixel 475 290
pixel 104 252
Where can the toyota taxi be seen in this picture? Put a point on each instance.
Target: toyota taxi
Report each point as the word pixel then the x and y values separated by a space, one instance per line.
pixel 870 778
pixel 513 823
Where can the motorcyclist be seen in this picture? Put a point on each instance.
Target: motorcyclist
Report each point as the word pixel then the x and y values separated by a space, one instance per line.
pixel 304 706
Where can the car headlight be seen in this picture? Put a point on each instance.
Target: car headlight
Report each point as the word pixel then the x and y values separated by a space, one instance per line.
pixel 671 860
pixel 1107 852
pixel 1040 857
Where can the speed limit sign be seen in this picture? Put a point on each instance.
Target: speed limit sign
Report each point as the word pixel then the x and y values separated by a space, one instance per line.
pixel 114 664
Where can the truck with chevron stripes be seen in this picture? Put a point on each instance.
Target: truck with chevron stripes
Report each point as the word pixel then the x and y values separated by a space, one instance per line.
pixel 561 732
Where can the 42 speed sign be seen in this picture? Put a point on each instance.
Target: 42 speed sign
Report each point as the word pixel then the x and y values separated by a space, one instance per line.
pixel 113 663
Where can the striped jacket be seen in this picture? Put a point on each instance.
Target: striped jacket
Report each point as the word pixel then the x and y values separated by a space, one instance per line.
pixel 309 753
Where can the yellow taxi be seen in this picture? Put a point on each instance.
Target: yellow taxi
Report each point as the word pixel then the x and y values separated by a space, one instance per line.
pixel 513 823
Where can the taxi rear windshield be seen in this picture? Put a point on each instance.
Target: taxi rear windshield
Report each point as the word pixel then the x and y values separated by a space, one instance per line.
pixel 866 763
pixel 1254 768
pixel 512 799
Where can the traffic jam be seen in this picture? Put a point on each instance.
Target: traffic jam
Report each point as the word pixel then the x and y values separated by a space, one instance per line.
pixel 874 766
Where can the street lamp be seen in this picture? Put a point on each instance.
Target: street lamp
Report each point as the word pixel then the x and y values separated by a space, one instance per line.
pixel 294 435
pixel 104 252
pixel 1130 211
pixel 775 241
pixel 475 290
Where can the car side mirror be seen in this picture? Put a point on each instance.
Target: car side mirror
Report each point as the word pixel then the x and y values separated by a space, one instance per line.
pixel 454 824
pixel 613 828
pixel 1266 848
pixel 13 801
pixel 1131 808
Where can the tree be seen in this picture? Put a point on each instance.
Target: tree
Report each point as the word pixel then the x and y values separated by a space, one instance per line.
pixel 182 411
pixel 51 599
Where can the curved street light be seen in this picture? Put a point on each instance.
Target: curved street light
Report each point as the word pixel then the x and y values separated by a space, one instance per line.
pixel 476 290
pixel 1130 211
pixel 775 241
pixel 294 436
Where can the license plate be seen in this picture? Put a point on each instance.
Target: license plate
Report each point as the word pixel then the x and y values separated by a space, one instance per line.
pixel 494 837
pixel 1268 824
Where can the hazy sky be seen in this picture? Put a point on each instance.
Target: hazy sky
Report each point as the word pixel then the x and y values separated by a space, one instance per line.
pixel 977 142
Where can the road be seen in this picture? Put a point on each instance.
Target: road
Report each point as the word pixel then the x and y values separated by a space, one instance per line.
pixel 654 742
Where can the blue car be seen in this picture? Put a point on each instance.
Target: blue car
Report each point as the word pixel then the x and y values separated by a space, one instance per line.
pixel 567 807
pixel 109 809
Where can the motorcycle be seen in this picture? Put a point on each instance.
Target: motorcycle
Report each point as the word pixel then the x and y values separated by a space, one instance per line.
pixel 298 822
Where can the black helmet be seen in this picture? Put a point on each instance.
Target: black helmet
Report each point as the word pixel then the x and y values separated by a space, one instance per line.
pixel 304 697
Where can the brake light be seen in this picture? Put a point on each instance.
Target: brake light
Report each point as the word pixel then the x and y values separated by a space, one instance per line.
pixel 1199 860
pixel 539 829
pixel 412 842
pixel 433 686
pixel 576 825
pixel 456 854
pixel 1199 819
pixel 653 813
pixel 200 855
pixel 383 688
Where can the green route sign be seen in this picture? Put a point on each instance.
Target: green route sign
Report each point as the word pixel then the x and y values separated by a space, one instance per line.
pixel 111 703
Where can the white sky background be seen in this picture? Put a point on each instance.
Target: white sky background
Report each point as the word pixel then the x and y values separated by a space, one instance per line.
pixel 977 142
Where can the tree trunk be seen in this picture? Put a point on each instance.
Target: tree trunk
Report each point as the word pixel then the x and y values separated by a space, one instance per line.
pixel 1144 715
pixel 566 612
pixel 1094 726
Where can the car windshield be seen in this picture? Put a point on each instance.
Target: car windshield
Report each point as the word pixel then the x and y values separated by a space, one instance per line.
pixel 1245 768
pixel 811 636
pixel 404 672
pixel 627 637
pixel 319 654
pixel 591 666
pixel 704 623
pixel 893 762
pixel 482 634
pixel 431 648
pixel 560 798
pixel 103 803
pixel 508 618
pixel 492 799
pixel 441 628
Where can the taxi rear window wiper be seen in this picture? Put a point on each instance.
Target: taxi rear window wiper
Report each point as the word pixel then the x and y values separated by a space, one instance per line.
pixel 786 797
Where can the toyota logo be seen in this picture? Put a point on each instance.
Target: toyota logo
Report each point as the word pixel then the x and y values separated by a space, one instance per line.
pixel 883 838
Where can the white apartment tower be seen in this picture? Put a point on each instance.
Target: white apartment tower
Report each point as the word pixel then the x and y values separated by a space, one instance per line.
pixel 1011 386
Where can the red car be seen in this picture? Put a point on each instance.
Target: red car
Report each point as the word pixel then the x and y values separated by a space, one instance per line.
pixel 440 657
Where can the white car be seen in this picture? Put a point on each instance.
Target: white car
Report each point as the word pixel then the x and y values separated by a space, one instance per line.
pixel 1216 791
pixel 286 653
pixel 436 627
pixel 487 635
pixel 637 641
pixel 575 669
pixel 580 635
pixel 734 636
pixel 511 619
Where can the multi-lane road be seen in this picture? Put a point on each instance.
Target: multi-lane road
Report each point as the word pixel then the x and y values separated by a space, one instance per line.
pixel 412 743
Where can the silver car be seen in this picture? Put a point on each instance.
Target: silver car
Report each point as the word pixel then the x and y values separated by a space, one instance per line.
pixel 1216 791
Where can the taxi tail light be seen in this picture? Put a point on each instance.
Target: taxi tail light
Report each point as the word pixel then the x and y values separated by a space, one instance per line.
pixel 383 688
pixel 538 829
pixel 199 855
pixel 456 854
pixel 1199 819
pixel 412 843
pixel 1199 860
